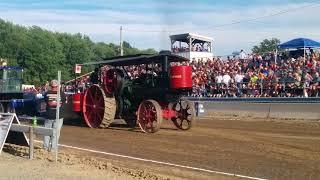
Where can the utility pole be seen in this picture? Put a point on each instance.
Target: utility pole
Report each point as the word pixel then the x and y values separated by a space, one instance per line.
pixel 121 44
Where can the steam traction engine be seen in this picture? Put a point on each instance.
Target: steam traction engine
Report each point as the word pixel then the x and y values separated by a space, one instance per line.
pixel 155 94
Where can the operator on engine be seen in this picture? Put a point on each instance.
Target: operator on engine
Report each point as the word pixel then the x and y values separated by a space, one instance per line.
pixel 50 122
pixel 94 77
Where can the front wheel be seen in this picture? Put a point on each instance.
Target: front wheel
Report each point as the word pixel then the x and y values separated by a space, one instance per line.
pixel 185 114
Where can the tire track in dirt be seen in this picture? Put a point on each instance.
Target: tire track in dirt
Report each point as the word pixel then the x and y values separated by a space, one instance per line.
pixel 273 149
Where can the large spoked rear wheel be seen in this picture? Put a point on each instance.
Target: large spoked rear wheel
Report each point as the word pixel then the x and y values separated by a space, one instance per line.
pixel 98 109
pixel 185 114
pixel 149 116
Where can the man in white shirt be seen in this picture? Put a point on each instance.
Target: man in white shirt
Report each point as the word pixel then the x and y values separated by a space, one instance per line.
pixel 238 77
pixel 226 78
pixel 242 55
pixel 218 78
pixel 239 80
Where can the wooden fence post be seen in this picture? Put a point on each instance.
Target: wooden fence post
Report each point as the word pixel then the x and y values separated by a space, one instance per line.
pixel 31 140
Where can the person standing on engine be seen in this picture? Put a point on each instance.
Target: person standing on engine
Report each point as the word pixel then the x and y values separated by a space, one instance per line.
pixel 94 77
pixel 51 108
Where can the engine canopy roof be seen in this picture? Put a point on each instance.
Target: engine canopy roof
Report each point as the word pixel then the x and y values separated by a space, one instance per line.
pixel 139 59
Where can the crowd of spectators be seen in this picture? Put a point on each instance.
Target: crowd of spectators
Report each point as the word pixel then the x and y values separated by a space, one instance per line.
pixel 246 75
pixel 254 75
pixel 35 89
pixel 31 90
pixel 77 85
pixel 195 48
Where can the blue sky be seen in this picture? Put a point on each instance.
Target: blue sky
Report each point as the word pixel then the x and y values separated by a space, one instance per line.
pixel 148 23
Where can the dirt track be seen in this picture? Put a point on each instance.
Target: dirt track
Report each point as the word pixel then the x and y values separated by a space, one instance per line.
pixel 270 149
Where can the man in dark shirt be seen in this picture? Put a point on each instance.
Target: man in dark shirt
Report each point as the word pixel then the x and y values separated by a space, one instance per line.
pixel 94 77
pixel 51 109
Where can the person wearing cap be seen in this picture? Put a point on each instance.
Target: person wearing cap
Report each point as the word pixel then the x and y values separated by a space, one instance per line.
pixel 51 108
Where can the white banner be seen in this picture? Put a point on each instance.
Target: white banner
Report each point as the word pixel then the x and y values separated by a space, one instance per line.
pixel 77 69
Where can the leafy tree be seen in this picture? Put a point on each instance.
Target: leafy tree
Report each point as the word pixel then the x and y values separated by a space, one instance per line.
pixel 266 45
pixel 102 51
pixel 45 56
pixel 76 50
pixel 42 53
pixel 148 51
pixel 125 44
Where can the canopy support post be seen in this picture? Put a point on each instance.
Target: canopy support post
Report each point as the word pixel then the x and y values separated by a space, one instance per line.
pixel 276 57
pixel 304 54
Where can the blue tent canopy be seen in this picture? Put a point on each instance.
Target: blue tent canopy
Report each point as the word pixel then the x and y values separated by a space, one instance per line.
pixel 299 43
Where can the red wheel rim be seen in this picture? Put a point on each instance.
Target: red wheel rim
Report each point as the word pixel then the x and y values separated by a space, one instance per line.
pixel 149 118
pixel 93 106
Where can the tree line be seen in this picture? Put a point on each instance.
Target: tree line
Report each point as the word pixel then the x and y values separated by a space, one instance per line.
pixel 42 53
pixel 266 46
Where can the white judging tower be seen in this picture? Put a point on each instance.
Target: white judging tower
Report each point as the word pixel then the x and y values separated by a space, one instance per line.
pixel 192 46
